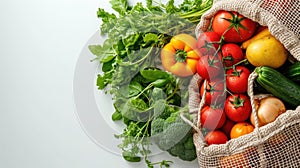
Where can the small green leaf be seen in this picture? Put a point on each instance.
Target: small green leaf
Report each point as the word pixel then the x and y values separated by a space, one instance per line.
pixel 157 94
pixel 154 74
pixel 134 88
pixel 150 37
pixel 96 49
pixel 105 16
pixel 121 6
pixel 132 159
pixel 116 116
pixel 170 7
pixel 107 58
pixel 107 66
pixel 159 107
pixel 101 82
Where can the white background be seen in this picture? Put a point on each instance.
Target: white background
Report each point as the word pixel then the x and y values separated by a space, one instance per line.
pixel 40 42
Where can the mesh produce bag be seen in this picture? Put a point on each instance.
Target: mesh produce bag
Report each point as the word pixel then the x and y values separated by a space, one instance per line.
pixel 276 144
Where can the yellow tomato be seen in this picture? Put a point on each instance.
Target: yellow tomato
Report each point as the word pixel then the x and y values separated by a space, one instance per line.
pixel 266 51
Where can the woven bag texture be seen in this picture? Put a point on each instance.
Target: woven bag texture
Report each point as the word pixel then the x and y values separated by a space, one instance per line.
pixel 276 144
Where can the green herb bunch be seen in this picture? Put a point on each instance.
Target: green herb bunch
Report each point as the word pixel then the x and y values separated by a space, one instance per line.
pixel 131 72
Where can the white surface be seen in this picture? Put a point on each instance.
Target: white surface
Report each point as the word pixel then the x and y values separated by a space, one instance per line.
pixel 40 42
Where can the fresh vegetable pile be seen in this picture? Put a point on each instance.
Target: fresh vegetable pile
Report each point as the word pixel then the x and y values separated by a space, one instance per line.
pixel 150 56
pixel 147 98
pixel 231 50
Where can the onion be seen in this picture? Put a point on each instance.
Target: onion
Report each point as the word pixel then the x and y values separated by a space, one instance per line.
pixel 268 109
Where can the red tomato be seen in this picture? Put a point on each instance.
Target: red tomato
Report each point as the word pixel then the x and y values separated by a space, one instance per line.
pixel 238 107
pixel 216 137
pixel 227 126
pixel 215 92
pixel 209 67
pixel 212 118
pixel 208 42
pixel 234 27
pixel 231 54
pixel 237 79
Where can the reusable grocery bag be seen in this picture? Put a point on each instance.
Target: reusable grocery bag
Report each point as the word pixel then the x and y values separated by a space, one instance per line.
pixel 276 144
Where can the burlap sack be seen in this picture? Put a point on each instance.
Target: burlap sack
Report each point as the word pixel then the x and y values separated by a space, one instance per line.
pixel 276 144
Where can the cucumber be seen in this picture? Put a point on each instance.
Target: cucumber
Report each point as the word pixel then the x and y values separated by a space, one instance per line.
pixel 293 72
pixel 278 85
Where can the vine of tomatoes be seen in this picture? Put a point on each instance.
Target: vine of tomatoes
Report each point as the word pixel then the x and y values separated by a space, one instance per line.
pixel 225 69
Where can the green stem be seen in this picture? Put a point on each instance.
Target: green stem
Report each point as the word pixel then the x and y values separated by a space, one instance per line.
pixel 145 89
pixel 146 56
pixel 173 93
pixel 236 64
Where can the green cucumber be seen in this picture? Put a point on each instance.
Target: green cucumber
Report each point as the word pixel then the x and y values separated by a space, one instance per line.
pixel 278 85
pixel 293 72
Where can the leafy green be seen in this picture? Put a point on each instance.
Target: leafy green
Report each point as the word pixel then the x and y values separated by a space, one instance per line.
pixel 121 6
pixel 143 101
pixel 147 99
pixel 107 20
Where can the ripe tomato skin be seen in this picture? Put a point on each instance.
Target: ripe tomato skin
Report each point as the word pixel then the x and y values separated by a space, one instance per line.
pixel 209 67
pixel 215 92
pixel 216 137
pixel 237 79
pixel 227 126
pixel 212 118
pixel 208 42
pixel 240 129
pixel 226 22
pixel 231 54
pixel 238 107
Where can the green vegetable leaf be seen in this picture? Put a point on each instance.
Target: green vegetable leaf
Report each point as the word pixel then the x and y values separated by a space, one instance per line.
pixel 116 116
pixel 107 66
pixel 121 6
pixel 151 37
pixel 155 74
pixel 171 8
pixel 105 16
pixel 107 20
pixel 134 88
pixel 104 53
pixel 148 99
pixel 157 94
pixel 101 82
pixel 159 107
pixel 96 49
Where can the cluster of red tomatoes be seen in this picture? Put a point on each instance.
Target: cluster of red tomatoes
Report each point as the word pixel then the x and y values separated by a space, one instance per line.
pixel 227 108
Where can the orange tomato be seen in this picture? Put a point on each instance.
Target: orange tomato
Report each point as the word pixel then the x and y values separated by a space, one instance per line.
pixel 240 129
pixel 180 55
